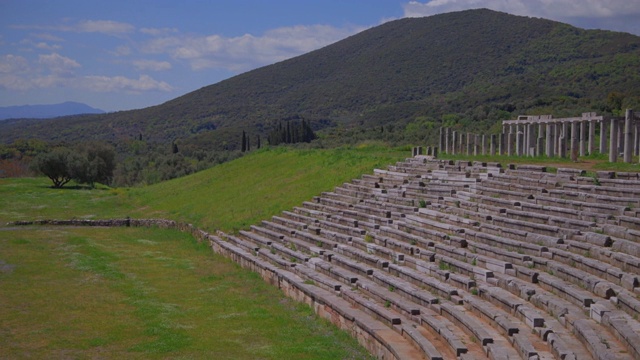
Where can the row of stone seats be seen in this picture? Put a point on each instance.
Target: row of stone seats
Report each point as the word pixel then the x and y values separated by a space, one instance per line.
pixel 402 246
pixel 395 282
pixel 470 320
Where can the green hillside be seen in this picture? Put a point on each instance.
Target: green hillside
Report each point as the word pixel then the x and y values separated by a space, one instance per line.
pixel 475 67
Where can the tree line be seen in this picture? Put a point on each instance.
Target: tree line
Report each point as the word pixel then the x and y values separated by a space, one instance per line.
pixel 86 163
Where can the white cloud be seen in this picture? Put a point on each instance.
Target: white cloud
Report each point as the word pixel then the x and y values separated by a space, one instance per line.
pixel 551 9
pixel 121 83
pixel 158 31
pixel 152 65
pixel 13 64
pixel 122 50
pixel 45 46
pixel 105 27
pixel 48 37
pixel 247 51
pixel 57 63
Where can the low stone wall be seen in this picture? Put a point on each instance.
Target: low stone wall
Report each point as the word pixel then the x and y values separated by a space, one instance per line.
pixel 324 303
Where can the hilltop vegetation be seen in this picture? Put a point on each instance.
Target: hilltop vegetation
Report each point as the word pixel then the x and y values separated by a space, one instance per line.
pixel 395 82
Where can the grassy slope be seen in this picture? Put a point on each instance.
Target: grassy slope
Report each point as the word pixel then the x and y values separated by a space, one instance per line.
pixel 237 194
pixel 92 293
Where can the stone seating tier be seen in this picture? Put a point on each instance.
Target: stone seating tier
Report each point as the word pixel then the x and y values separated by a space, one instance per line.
pixel 462 261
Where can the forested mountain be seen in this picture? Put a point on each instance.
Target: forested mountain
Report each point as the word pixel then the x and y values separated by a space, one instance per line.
pixel 469 68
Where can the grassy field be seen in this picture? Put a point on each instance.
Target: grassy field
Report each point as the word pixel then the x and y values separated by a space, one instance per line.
pixel 150 293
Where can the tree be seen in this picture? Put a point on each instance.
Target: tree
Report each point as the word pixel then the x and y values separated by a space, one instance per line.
pixel 244 141
pixel 54 165
pixel 86 164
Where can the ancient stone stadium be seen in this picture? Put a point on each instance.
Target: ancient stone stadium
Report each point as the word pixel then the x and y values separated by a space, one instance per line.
pixel 438 259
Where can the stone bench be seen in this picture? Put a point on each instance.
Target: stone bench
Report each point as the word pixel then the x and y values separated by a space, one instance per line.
pixel 317 278
pixel 623 202
pixel 505 194
pixel 334 225
pixel 289 223
pixel 391 299
pixel 420 279
pixel 316 240
pixel 430 351
pixel 362 256
pixel 292 253
pixel 404 289
pixel 332 271
pixel 341 196
pixel 377 311
pixel 261 235
pixel 245 245
pixel 580 205
pixel 351 265
pixel 277 228
pixel 600 344
pixel 442 327
pixel 467 323
pixel 498 319
pixel 574 295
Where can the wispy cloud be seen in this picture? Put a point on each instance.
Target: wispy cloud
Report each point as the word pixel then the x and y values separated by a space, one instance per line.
pixel 57 71
pixel 107 27
pixel 152 65
pixel 158 31
pixel 247 51
pixel 57 63
pixel 121 83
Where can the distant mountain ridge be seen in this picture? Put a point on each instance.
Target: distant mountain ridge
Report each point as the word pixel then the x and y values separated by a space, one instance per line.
pixel 468 69
pixel 47 111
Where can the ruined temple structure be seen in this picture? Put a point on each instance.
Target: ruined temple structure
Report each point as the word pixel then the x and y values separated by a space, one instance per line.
pixel 544 135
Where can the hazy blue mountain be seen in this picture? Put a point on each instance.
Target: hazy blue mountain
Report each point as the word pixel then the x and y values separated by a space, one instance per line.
pixel 46 111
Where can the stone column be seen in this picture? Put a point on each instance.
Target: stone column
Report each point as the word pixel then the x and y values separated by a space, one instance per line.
pixel 501 143
pixel 628 136
pixel 468 144
pixel 484 145
pixel 549 142
pixel 445 149
pixel 454 139
pixel 592 134
pixel 613 141
pixel 574 141
pixel 583 137
pixel 540 142
pixel 476 142
pixel 603 137
pixel 492 145
pixel 461 144
pixel 510 141
pixel 518 141
pixel 620 136
pixel 636 139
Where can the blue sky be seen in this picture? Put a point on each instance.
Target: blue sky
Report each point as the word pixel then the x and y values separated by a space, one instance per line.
pixel 119 55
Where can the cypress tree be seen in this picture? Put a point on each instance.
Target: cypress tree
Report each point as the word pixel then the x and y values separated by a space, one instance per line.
pixel 244 141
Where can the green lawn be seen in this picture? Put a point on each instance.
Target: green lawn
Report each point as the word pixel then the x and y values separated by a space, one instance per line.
pixel 147 294
pixel 151 293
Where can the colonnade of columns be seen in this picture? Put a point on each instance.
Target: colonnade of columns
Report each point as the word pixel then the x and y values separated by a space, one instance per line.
pixel 544 135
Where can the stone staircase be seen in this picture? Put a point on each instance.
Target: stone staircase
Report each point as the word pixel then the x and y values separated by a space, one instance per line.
pixel 441 260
